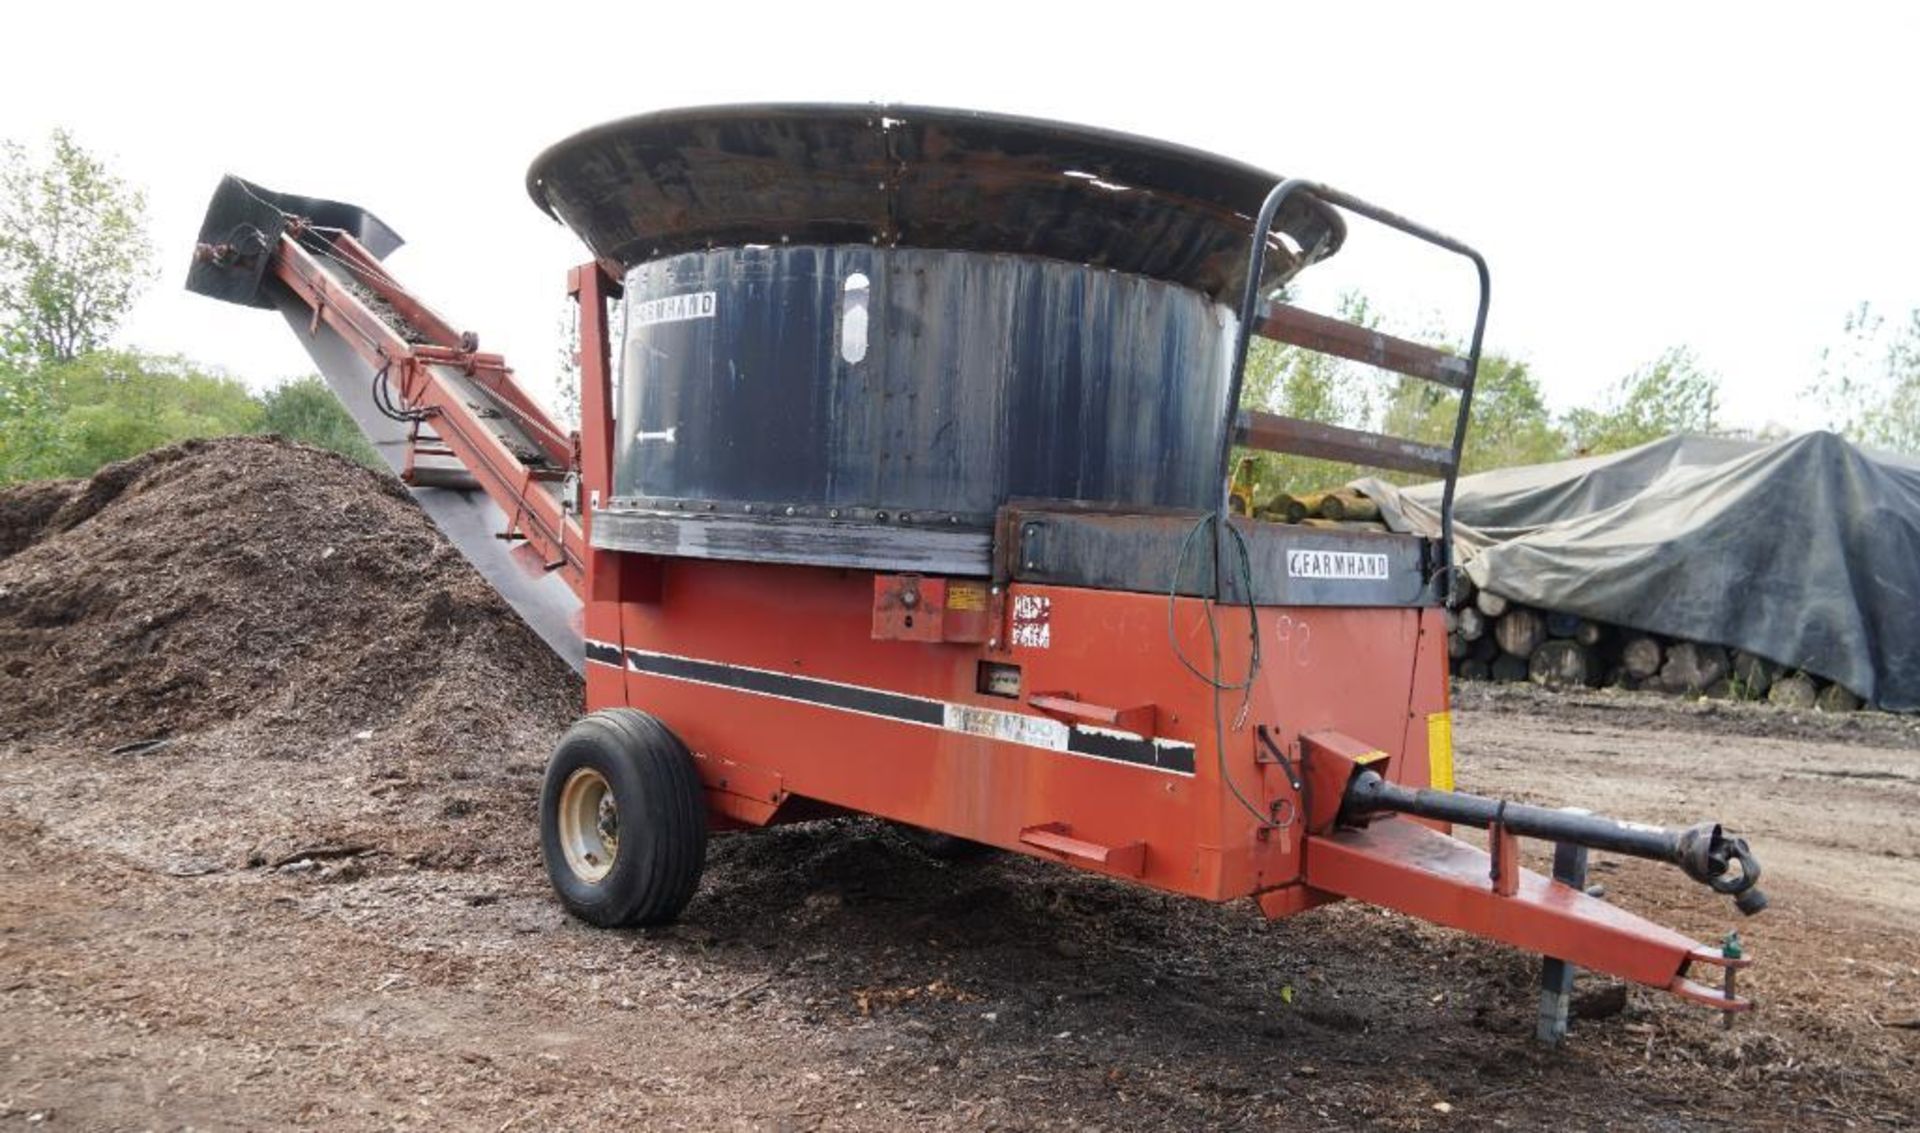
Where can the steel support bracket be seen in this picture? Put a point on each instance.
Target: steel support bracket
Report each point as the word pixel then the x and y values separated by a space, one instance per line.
pixel 1139 719
pixel 1399 864
pixel 1129 860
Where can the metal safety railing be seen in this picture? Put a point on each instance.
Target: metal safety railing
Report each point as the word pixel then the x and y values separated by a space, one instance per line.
pixel 1273 432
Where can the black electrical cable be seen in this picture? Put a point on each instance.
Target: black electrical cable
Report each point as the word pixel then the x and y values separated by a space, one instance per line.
pixel 1207 525
pixel 1302 791
pixel 383 399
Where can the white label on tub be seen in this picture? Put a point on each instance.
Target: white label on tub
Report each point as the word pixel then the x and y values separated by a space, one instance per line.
pixel 675 308
pixel 1336 564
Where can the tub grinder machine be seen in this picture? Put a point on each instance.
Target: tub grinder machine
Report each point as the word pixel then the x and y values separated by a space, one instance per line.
pixel 901 488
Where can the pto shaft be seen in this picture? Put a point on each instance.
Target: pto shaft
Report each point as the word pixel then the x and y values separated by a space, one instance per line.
pixel 1704 852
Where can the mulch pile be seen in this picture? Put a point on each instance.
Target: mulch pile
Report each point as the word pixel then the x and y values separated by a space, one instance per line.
pixel 253 588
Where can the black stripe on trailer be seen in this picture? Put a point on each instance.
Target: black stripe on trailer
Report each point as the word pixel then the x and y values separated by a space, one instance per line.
pixel 830 694
pixel 1132 749
pixel 1112 746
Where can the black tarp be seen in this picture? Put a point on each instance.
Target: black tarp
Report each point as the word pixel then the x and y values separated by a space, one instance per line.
pixel 1804 551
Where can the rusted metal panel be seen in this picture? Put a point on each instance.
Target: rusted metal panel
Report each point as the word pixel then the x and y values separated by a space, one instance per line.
pixel 777 539
pixel 1288 324
pixel 1158 554
pixel 914 176
pixel 893 382
pixel 1274 433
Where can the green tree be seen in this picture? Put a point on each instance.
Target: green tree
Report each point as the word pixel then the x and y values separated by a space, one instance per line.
pixel 70 418
pixel 1510 423
pixel 73 249
pixel 120 403
pixel 1295 382
pixel 1672 394
pixel 304 409
pixel 33 437
pixel 1870 382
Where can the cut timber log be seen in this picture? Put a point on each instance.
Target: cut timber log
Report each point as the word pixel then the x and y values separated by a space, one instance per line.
pixel 1754 674
pixel 1460 589
pixel 1795 691
pixel 1507 667
pixel 1641 657
pixel 1520 631
pixel 1837 697
pixel 1457 646
pixel 1561 624
pixel 1285 508
pixel 1589 633
pixel 1312 502
pixel 1561 663
pixel 1343 524
pixel 1471 623
pixel 1475 669
pixel 1691 666
pixel 1491 604
pixel 1348 505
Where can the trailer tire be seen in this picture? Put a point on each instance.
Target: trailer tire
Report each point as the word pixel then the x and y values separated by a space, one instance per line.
pixel 623 820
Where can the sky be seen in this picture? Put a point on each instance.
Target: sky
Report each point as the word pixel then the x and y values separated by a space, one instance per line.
pixel 1730 177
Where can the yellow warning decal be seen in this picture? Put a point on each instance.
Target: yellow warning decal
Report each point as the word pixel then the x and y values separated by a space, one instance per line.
pixel 966 596
pixel 1440 751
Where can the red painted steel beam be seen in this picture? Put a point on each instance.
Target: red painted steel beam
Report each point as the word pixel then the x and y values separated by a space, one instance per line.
pixel 1271 432
pixel 591 288
pixel 368 269
pixel 425 377
pixel 1325 335
pixel 444 344
pixel 1401 865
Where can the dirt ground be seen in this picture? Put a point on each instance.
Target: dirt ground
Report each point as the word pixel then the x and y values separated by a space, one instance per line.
pixel 319 902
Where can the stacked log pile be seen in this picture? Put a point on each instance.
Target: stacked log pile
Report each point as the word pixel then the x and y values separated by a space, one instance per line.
pixel 1342 508
pixel 1493 638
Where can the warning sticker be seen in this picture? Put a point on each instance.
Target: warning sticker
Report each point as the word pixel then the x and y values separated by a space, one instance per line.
pixel 675 308
pixel 1033 621
pixel 966 596
pixel 1336 564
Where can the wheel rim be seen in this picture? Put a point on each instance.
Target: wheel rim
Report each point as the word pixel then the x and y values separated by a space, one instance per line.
pixel 589 825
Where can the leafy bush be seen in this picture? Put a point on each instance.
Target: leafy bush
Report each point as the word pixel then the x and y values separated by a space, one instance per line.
pixel 70 418
pixel 304 409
